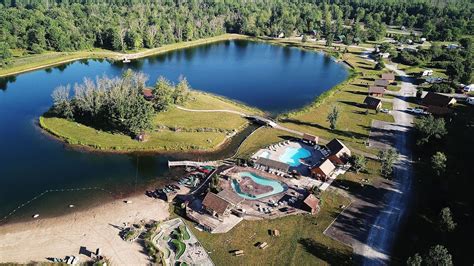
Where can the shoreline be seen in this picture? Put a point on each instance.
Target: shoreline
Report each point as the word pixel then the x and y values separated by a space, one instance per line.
pixel 118 56
pixel 91 149
pixel 93 228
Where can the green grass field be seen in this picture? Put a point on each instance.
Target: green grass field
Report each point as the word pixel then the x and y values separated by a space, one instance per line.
pixel 302 241
pixel 182 131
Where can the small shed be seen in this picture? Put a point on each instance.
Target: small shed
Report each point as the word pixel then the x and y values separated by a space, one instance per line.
pixel 372 103
pixel 376 91
pixel 148 94
pixel 310 138
pixel 311 204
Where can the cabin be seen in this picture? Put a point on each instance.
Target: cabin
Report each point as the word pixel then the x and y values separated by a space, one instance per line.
pixel 438 104
pixel 381 83
pixel 372 103
pixel 311 204
pixel 148 94
pixel 337 148
pixel 390 77
pixel 310 139
pixel 437 99
pixel 216 206
pixel 376 91
pixel 270 165
pixel 323 171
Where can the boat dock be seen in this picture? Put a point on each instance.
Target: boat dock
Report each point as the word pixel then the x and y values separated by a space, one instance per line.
pixel 193 163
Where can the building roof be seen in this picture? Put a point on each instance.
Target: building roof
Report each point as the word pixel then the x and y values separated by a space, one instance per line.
pixel 336 146
pixel 335 160
pixel 310 137
pixel 312 202
pixel 372 102
pixel 436 99
pixel 147 93
pixel 273 164
pixel 438 110
pixel 376 89
pixel 327 167
pixel 388 76
pixel 381 83
pixel 230 197
pixel 214 202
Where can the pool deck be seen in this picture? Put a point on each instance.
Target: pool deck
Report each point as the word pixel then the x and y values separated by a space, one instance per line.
pixel 251 206
pixel 277 150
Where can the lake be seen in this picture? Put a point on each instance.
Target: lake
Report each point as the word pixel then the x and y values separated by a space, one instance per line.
pixel 46 175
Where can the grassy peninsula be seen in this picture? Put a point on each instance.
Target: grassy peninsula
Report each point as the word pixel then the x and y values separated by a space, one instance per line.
pixel 173 129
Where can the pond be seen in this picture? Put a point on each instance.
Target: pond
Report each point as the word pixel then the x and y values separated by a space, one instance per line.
pixel 43 172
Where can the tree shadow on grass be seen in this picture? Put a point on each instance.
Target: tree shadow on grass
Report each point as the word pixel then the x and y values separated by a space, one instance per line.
pixel 344 133
pixel 331 256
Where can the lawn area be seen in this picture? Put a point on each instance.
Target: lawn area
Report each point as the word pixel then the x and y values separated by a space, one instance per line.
pixel 302 241
pixel 206 101
pixel 177 130
pixel 261 137
pixel 166 140
pixel 354 123
pixel 187 121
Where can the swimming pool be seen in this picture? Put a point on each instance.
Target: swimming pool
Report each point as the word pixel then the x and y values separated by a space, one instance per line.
pixel 292 156
pixel 277 187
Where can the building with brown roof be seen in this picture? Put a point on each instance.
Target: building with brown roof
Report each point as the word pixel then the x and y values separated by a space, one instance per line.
pixel 148 94
pixel 390 77
pixel 271 165
pixel 436 99
pixel 311 204
pixel 381 83
pixel 216 206
pixel 323 171
pixel 310 138
pixel 376 91
pixel 372 103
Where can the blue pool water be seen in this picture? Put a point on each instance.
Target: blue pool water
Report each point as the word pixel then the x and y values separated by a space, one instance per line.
pixel 293 155
pixel 277 186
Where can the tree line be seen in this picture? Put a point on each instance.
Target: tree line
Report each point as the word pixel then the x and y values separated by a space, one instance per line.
pixel 70 25
pixel 117 104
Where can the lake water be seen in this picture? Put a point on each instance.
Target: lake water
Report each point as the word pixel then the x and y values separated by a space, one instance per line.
pixel 46 174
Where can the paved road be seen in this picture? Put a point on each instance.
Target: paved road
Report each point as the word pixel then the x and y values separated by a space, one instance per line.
pixel 381 236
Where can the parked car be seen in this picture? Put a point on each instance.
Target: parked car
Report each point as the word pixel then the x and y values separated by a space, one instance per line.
pixel 470 100
pixel 386 111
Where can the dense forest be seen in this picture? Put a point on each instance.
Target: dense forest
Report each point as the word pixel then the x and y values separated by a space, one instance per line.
pixel 69 25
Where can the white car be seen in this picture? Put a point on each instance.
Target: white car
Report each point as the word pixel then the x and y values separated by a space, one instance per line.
pixel 417 111
pixel 386 111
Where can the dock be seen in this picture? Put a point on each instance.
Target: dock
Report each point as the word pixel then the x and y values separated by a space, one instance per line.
pixel 193 163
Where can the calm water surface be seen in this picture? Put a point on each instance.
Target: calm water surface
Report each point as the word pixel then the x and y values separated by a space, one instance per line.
pixel 272 78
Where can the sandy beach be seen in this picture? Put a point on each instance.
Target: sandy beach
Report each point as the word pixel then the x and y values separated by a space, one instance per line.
pixel 62 236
